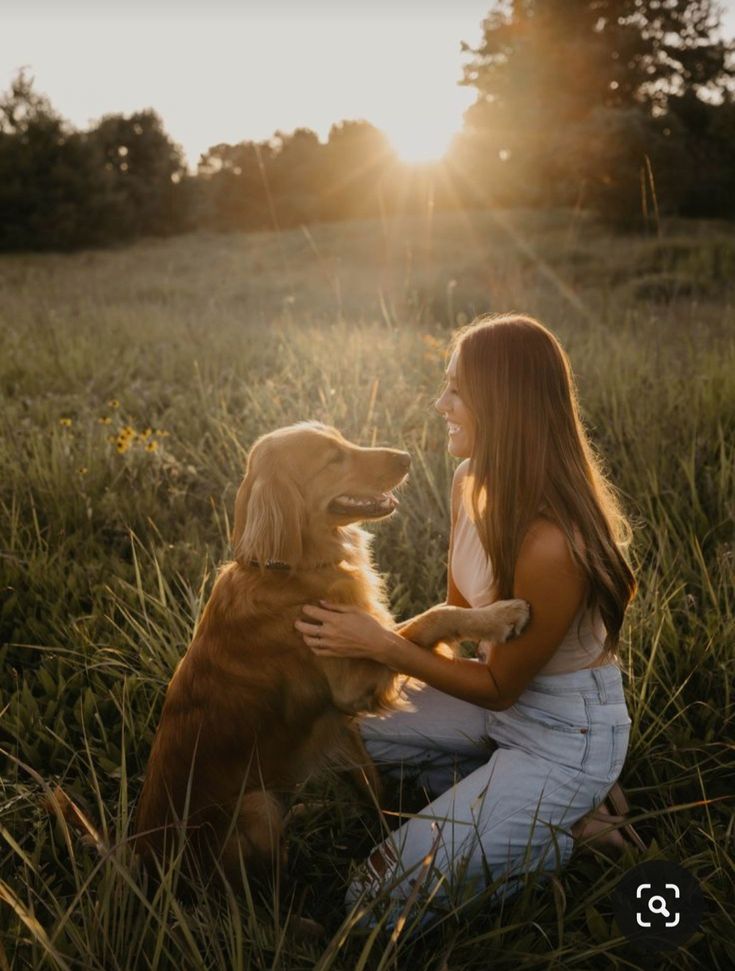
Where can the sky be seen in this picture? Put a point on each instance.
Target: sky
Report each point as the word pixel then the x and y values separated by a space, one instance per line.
pixel 231 70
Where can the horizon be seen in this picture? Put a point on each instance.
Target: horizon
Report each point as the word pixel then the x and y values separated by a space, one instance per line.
pixel 335 65
pixel 352 66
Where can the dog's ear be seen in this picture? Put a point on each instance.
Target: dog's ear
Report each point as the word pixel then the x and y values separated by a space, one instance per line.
pixel 269 519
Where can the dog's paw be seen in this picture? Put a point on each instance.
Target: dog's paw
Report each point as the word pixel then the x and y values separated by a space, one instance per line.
pixel 512 617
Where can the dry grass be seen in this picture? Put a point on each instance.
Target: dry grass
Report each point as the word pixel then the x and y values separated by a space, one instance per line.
pixel 109 538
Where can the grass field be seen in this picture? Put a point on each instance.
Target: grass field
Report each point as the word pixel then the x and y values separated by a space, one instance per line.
pixel 133 382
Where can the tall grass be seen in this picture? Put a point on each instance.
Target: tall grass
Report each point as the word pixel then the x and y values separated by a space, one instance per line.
pixel 109 539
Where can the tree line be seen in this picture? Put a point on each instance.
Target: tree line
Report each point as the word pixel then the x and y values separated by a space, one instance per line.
pixel 625 107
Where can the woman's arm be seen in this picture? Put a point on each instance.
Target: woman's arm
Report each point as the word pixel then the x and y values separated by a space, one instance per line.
pixel 346 631
pixel 546 576
pixel 366 638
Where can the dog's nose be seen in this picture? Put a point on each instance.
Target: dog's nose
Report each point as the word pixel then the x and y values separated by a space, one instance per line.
pixel 405 459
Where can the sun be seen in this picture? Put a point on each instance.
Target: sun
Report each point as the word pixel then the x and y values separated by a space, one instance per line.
pixel 420 144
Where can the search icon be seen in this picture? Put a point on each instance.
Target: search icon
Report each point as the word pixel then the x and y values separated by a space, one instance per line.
pixel 660 908
pixel 658 905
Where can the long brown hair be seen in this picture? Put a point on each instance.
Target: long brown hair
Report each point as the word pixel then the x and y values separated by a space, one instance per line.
pixel 531 457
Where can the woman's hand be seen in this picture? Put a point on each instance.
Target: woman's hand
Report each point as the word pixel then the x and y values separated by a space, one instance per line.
pixel 345 631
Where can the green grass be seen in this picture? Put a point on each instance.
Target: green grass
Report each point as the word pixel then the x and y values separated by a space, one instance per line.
pixel 107 556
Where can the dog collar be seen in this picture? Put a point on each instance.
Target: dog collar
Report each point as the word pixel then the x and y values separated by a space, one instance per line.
pixel 280 565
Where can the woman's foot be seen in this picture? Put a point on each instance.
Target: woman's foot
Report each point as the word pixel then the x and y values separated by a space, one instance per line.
pixel 594 830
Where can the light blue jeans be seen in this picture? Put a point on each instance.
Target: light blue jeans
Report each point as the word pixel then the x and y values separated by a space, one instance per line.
pixel 499 816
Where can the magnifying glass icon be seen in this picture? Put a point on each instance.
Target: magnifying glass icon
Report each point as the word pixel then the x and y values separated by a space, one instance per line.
pixel 660 907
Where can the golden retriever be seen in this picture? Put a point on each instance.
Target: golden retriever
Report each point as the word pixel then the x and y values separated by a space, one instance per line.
pixel 250 711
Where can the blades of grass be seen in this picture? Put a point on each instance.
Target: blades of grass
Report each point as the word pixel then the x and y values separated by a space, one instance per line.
pixel 36 930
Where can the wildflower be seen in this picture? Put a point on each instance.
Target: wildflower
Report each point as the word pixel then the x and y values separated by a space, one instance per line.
pixel 82 470
pixel 113 403
pixel 65 422
pixel 124 439
pixel 161 433
pixel 104 420
pixel 151 446
pixel 146 434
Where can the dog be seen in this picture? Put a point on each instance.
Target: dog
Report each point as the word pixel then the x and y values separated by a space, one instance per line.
pixel 250 712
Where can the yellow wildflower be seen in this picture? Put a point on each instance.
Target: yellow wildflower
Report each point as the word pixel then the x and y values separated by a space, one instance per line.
pixel 65 422
pixel 104 420
pixel 83 470
pixel 113 403
pixel 151 446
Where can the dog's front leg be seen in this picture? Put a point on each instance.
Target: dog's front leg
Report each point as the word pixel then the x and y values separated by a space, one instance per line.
pixel 497 622
pixel 363 773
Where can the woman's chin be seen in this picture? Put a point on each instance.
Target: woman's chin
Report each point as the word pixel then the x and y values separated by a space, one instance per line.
pixel 457 450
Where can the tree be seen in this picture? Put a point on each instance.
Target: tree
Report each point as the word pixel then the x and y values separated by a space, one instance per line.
pixel 294 176
pixel 144 166
pixel 61 188
pixel 235 186
pixel 359 163
pixel 562 83
pixel 571 56
pixel 52 192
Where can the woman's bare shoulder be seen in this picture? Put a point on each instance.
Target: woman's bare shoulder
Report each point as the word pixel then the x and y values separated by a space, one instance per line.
pixel 546 547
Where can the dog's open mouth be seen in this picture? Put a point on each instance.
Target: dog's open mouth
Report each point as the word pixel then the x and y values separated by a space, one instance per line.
pixel 377 505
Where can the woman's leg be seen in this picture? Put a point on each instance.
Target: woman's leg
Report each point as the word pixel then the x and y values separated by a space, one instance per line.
pixel 435 743
pixel 561 747
pixel 502 820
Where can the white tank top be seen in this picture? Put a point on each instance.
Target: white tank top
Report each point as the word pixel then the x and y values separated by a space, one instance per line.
pixel 473 576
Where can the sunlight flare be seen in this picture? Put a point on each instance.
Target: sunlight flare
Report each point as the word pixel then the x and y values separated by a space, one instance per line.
pixel 420 143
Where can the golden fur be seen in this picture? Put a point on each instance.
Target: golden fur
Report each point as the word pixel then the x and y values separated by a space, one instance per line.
pixel 250 711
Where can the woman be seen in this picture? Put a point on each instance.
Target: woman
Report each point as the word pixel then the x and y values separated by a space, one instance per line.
pixel 532 517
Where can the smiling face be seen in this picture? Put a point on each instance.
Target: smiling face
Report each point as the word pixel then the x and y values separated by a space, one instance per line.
pixel 303 482
pixel 460 422
pixel 342 482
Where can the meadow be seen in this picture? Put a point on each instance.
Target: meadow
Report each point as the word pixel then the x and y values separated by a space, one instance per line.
pixel 133 382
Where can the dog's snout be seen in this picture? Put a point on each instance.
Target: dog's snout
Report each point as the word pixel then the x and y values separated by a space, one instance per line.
pixel 404 459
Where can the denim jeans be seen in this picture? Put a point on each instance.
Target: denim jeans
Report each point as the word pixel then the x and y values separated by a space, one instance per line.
pixel 495 817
